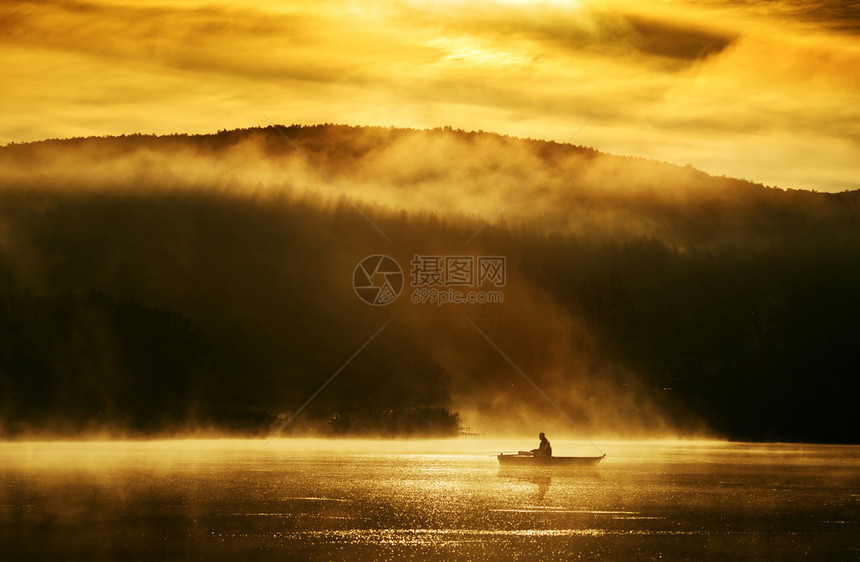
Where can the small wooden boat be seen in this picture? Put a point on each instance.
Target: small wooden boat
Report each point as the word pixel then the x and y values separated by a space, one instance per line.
pixel 526 459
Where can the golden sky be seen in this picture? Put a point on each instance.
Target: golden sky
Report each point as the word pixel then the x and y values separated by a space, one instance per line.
pixel 768 91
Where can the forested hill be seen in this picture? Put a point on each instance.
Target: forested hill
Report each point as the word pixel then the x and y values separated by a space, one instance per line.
pixel 153 285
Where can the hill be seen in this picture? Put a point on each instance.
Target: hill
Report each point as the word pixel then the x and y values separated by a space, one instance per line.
pixel 169 284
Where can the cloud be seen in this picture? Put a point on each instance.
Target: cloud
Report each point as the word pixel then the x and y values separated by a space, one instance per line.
pixel 677 82
pixel 596 31
pixel 669 39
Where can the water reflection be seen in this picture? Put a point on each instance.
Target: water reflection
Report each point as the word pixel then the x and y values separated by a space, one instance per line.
pixel 540 478
pixel 227 500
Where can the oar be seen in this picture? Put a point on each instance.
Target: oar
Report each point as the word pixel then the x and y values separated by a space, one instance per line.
pixel 524 453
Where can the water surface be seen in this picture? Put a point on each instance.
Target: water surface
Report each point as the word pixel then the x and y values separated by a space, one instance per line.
pixel 305 499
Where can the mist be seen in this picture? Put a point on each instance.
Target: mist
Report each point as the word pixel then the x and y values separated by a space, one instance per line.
pixel 732 87
pixel 202 285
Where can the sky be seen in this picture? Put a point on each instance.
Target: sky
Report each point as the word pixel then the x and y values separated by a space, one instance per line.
pixel 765 90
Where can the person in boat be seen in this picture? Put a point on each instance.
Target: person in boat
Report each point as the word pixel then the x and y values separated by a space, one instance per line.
pixel 544 449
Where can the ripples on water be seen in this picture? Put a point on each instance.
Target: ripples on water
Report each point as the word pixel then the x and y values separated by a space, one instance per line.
pixel 359 500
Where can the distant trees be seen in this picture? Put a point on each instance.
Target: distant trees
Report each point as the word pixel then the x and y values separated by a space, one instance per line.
pixel 761 345
pixel 148 311
pixel 72 363
pixel 80 363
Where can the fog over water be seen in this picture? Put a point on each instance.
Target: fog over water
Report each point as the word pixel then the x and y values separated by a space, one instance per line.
pixel 444 499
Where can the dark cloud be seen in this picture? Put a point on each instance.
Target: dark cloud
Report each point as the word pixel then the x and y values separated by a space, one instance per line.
pixel 836 15
pixel 605 32
pixel 673 40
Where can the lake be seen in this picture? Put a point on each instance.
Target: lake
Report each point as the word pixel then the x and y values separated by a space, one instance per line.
pixel 395 500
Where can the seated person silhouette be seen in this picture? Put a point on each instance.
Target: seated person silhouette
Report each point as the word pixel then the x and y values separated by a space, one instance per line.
pixel 544 449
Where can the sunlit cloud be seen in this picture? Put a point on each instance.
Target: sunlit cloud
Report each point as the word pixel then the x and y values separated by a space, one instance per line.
pixel 736 88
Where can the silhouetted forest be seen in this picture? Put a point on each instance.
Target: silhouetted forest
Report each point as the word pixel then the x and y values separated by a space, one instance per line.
pixel 155 285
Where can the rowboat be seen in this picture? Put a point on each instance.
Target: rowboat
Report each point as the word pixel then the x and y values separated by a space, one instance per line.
pixel 526 459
